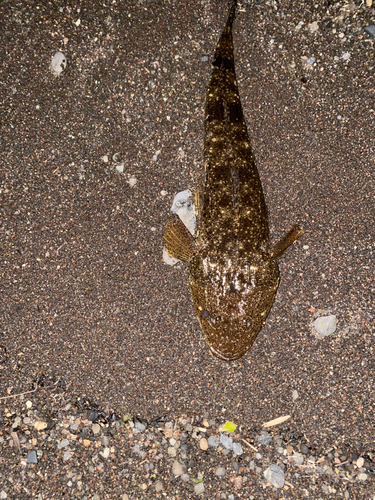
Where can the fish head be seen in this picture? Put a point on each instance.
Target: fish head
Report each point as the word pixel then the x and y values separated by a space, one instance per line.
pixel 232 297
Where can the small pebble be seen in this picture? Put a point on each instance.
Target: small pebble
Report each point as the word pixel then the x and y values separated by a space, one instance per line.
pixel 313 27
pixel 95 428
pixel 32 458
pixel 325 325
pixel 92 415
pixel 204 58
pixel 370 30
pixel 158 486
pixel 237 449
pixel 304 449
pixel 203 444
pixel 139 426
pixel 237 482
pixel 199 488
pixel 226 441
pixel 3 494
pixel 67 455
pixel 298 458
pixel 362 476
pixel 63 444
pixel 58 63
pixel 212 441
pixel 275 475
pixel 220 472
pixel 264 438
pixel 172 451
pixel 295 395
pixel 177 468
pixel 105 453
pixel 310 61
pixel 40 425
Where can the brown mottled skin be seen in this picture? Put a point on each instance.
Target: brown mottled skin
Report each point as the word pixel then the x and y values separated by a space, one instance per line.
pixel 232 269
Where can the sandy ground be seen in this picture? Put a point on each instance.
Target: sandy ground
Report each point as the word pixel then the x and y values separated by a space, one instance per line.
pixel 91 161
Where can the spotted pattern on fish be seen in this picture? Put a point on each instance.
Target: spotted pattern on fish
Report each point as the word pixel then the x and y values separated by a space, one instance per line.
pixel 233 271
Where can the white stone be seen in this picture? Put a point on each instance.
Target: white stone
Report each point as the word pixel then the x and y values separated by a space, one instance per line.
pixel 237 449
pixel 58 63
pixel 172 451
pixel 325 325
pixel 313 27
pixel 360 462
pixel 199 488
pixel 105 453
pixel 275 475
pixel 220 472
pixel 158 486
pixel 177 468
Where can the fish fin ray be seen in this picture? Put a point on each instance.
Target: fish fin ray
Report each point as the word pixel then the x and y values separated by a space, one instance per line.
pixel 291 236
pixel 178 240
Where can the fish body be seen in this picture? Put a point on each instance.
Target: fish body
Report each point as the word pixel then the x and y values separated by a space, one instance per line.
pixel 233 271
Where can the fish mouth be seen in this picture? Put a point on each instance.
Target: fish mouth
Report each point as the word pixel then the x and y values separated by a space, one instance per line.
pixel 227 357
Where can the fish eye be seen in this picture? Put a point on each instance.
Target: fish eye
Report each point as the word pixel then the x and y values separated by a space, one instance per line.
pixel 205 314
pixel 247 322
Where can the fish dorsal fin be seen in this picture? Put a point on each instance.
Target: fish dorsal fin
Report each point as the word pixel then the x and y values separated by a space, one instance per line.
pixel 178 240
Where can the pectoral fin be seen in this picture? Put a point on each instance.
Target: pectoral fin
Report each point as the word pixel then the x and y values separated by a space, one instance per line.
pixel 178 240
pixel 290 237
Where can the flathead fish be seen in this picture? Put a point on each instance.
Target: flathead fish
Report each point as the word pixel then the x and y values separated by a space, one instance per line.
pixel 233 270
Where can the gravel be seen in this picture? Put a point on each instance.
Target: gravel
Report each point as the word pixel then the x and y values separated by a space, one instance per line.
pixel 143 459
